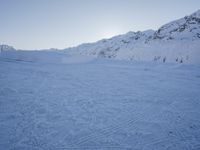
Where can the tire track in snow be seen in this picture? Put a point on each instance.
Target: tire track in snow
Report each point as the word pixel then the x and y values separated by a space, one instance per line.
pixel 95 147
pixel 27 113
pixel 108 131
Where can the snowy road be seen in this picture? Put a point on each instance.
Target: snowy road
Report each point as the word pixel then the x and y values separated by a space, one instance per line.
pixel 99 104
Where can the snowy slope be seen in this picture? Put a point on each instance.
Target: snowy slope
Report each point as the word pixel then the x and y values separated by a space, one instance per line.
pixel 101 104
pixel 177 41
pixel 52 57
pixel 57 100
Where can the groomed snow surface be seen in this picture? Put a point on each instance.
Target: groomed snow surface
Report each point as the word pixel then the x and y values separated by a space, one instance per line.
pixel 80 103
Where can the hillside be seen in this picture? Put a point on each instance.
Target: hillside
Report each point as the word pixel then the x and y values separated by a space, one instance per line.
pixel 177 41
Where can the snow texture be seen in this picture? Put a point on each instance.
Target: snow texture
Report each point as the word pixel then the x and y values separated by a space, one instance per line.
pixel 52 101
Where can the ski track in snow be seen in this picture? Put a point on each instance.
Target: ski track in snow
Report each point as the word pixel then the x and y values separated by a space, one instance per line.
pixel 99 104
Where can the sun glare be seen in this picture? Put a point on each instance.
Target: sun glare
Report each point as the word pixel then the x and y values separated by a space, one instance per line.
pixel 110 32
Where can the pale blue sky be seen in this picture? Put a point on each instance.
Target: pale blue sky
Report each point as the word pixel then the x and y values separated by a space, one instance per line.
pixel 38 24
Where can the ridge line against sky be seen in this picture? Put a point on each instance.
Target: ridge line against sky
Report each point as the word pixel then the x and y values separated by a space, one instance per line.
pixel 43 24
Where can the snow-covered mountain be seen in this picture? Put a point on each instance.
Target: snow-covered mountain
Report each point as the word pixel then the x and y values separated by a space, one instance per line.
pixel 174 42
pixel 177 41
pixel 6 48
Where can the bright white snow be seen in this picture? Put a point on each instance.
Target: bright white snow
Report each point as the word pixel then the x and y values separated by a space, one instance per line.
pixel 56 102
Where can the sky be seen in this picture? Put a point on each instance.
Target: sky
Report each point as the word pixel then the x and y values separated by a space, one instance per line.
pixel 43 24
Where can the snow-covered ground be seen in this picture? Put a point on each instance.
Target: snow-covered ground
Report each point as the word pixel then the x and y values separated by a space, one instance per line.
pixel 85 103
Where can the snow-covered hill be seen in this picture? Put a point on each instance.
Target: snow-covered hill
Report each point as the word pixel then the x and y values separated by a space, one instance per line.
pixel 177 41
pixel 53 100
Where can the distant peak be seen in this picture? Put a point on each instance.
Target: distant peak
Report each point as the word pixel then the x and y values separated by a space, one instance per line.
pixel 4 47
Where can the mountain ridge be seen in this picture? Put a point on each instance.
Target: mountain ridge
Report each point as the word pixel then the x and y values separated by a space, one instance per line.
pixel 177 41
